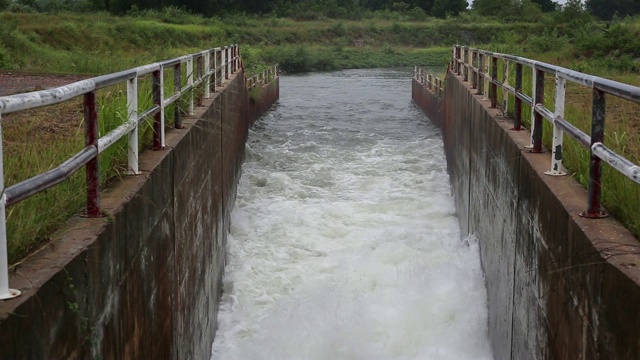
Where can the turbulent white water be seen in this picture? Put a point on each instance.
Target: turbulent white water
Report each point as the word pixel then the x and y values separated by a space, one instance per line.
pixel 344 240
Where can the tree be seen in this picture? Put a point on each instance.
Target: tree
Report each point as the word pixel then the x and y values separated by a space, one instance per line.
pixel 545 5
pixel 606 9
pixel 521 10
pixel 442 8
pixel 491 7
pixel 573 13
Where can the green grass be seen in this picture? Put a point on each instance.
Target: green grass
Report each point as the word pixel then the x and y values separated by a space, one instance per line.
pixel 38 140
pixel 301 58
pixel 620 195
pixel 100 43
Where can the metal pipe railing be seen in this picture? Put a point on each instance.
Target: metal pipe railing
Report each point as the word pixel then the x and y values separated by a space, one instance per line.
pixel 431 82
pixel 263 78
pixel 594 142
pixel 226 62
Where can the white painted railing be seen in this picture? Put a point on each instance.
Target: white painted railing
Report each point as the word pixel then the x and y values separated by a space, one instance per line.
pixel 206 69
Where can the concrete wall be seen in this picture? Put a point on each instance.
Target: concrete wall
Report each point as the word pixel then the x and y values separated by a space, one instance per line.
pixel 143 282
pixel 559 286
pixel 261 98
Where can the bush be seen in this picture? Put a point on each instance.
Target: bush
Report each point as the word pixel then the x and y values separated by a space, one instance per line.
pixel 416 14
pixel 619 40
pixel 573 13
pixel 588 39
pixel 547 41
pixel 387 15
pixel 16 7
pixel 296 59
pixel 507 42
pixel 338 29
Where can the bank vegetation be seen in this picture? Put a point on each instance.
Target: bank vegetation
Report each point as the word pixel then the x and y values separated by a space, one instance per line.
pixel 87 37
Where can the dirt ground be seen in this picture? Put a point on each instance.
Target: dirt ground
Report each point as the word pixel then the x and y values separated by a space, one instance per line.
pixel 40 127
pixel 15 83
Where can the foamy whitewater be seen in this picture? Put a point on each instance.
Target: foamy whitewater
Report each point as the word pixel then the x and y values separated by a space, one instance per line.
pixel 344 241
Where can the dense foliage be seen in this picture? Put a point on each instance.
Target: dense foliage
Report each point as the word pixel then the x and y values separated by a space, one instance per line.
pixel 608 9
pixel 340 9
pixel 55 36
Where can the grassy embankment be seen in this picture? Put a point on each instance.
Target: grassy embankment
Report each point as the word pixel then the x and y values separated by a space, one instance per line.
pixel 606 50
pixel 100 43
pixel 621 196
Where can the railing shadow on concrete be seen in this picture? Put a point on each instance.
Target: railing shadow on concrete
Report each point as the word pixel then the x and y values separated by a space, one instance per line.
pixel 212 67
pixel 481 68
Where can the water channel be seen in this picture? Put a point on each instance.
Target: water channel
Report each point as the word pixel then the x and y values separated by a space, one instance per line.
pixel 345 242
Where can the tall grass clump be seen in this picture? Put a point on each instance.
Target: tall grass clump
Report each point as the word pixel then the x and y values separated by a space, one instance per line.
pixel 310 39
pixel 301 58
pixel 620 195
pixel 41 139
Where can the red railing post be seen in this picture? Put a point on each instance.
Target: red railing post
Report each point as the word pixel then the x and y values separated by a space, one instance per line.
pixel 90 107
pixel 157 118
pixel 594 209
pixel 536 136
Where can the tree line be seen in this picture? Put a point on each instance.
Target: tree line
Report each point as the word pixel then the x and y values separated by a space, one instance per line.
pixel 602 9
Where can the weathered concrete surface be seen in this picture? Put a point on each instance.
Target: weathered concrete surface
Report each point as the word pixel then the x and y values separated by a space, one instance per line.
pixel 143 282
pixel 259 100
pixel 430 104
pixel 559 286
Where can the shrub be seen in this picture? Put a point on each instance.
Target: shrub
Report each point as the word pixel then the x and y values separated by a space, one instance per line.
pixel 416 14
pixel 547 41
pixel 617 41
pixel 338 29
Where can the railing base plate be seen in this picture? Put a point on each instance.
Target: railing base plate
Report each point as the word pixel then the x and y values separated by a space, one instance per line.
pixel 90 216
pixel 596 215
pixel 13 293
pixel 555 173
